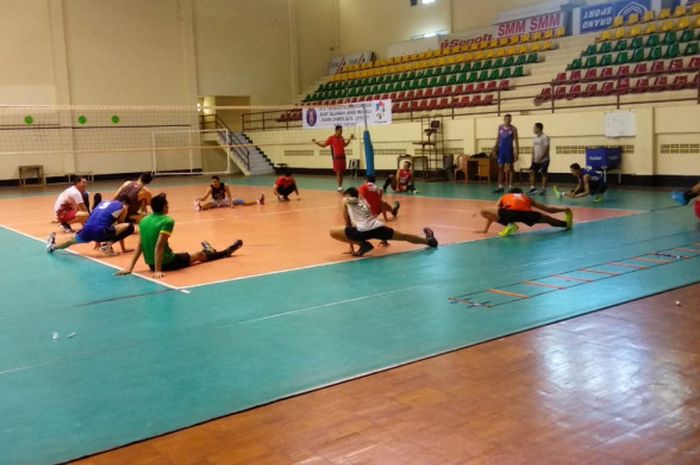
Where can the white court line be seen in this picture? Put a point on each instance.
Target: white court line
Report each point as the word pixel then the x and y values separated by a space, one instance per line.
pixel 282 212
pixel 92 259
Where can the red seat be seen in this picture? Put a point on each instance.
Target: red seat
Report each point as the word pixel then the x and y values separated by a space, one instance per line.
pixel 560 79
pixel 432 104
pixel 428 92
pixel 608 88
pixel 696 82
pixel 623 86
pixel 658 67
pixel 623 70
pixel 574 92
pixel 415 105
pixel 469 89
pixel 476 101
pixel 448 91
pixel 675 65
pixel 400 108
pixel 492 86
pixel 444 103
pixel 591 75
pixel 458 90
pixel 640 69
pixel 393 95
pixel 399 96
pixel 488 100
pixel 560 93
pixel 463 102
pixel 591 90
pixel 410 95
pixel 606 73
pixel 545 94
pixel 641 86
pixel 504 85
pixel 660 84
pixel 480 88
pixel 679 82
pixel 694 64
pixel 438 92
pixel 418 94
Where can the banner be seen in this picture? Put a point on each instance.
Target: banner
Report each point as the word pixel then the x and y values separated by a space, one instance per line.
pixel 539 23
pixel 337 63
pixel 599 17
pixel 461 39
pixel 324 117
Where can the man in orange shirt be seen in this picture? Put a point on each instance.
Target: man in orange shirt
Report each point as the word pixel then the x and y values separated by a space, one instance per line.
pixel 516 207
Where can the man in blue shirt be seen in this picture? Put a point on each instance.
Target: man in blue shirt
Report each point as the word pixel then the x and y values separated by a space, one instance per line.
pixel 590 182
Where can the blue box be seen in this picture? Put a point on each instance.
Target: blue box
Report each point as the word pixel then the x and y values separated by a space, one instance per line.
pixel 599 158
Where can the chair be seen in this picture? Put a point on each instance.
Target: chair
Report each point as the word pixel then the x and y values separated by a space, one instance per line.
pixel 561 78
pixel 574 92
pixel 607 89
pixel 658 67
pixel 591 90
pixel 560 93
pixel 591 75
pixel 623 71
pixel 623 87
pixel 679 82
pixel 606 73
pixel 504 85
pixel 660 84
pixel 640 69
pixel 694 64
pixel 691 49
pixel 545 95
pixel 641 86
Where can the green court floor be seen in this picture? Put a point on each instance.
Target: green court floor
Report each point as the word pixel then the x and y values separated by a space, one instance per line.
pixel 146 360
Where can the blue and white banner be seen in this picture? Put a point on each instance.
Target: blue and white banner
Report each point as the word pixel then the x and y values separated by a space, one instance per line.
pixel 599 17
pixel 377 112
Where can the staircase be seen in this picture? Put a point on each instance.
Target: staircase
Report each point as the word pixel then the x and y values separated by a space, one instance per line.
pixel 240 149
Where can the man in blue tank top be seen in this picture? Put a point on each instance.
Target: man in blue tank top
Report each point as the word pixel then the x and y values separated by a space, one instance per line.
pixel 107 224
pixel 589 182
pixel 507 149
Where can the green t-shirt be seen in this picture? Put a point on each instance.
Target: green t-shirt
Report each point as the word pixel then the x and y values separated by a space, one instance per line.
pixel 151 227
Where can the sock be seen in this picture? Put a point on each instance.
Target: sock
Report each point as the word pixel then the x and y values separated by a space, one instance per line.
pixel 687 195
pixel 127 232
pixel 560 224
pixel 387 183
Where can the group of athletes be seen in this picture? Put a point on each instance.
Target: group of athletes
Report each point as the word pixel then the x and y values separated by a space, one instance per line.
pixel 111 221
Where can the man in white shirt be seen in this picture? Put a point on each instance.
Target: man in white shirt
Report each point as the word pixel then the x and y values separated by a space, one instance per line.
pixel 361 225
pixel 540 158
pixel 70 205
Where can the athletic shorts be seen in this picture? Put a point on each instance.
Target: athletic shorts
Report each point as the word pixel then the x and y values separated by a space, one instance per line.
pixel 383 233
pixel 95 235
pixel 598 188
pixel 339 165
pixel 530 218
pixel 541 168
pixel 505 156
pixel 220 203
pixel 65 217
pixel 180 261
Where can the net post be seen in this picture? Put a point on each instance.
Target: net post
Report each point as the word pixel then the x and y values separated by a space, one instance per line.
pixel 154 167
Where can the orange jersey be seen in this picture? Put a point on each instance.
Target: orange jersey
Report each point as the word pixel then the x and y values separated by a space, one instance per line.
pixel 516 202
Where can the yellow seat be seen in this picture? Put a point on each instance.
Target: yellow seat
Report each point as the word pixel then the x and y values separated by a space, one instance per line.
pixel 548 34
pixel 535 36
pixel 665 13
pixel 522 50
pixel 510 51
pixel 503 41
pixel 493 44
pixel 605 36
pixel 451 59
pixel 480 55
pixel 680 10
pixel 650 29
pixel 535 47
pixel 648 16
pixel 695 9
pixel 683 23
pixel 560 32
pixel 618 21
pixel 468 56
pixel 667 26
pixel 635 31
pixel 697 21
pixel 500 52
pixel 547 45
pixel 490 53
pixel 620 33
pixel 524 38
pixel 445 51
pixel 460 58
pixel 464 49
pixel 454 50
pixel 514 40
pixel 483 45
pixel 633 19
pixel 474 47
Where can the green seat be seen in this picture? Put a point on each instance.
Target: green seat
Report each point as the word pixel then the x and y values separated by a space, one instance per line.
pixel 606 47
pixel 483 75
pixel 382 79
pixel 461 78
pixel 520 60
pixel 495 75
pixel 406 85
pixel 533 58
pixel 638 42
pixel 429 72
pixel 621 45
pixel 638 55
pixel 477 65
pixel 510 61
pixel 605 60
pixel 372 81
pixel 432 82
pixel 420 83
pixel 419 74
pixel 442 81
pixel 452 79
pixel 411 75
pixel 653 40
pixel 488 64
pixel 691 49
pixel 591 62
pixel 591 50
pixel 519 72
pixel 654 54
pixel 672 51
pixel 466 67
pixel 575 64
pixel 473 76
pixel 670 38
pixel 499 63
pixel 622 58
pixel 507 73
pixel 687 36
pixel 383 88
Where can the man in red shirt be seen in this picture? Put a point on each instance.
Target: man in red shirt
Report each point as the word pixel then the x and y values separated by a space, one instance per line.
pixel 338 144
pixel 402 181
pixel 285 185
pixel 516 207
pixel 373 196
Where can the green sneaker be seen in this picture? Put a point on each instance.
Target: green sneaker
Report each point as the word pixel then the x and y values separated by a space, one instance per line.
pixel 512 228
pixel 557 192
pixel 569 219
pixel 598 198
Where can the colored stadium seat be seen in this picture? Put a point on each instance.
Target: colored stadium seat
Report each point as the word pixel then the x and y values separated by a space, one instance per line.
pixel 672 51
pixel 606 73
pixel 607 89
pixel 623 86
pixel 574 92
pixel 641 86
pixel 694 64
pixel 648 16
pixel 660 84
pixel 653 40
pixel 620 45
pixel 591 75
pixel 691 49
pixel 665 13
pixel 591 90
pixel 623 71
pixel 618 21
pixel 679 82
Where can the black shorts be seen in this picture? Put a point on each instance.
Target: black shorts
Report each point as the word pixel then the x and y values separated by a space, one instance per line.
pixel 541 168
pixel 382 233
pixel 598 188
pixel 506 216
pixel 180 261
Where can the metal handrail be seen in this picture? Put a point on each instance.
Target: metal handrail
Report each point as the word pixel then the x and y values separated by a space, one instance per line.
pixel 243 154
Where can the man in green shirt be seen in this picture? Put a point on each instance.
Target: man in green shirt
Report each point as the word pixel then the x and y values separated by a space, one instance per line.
pixel 155 230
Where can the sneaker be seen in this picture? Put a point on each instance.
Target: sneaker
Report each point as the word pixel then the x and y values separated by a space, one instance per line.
pixel 207 248
pixel 395 209
pixel 197 205
pixel 261 200
pixel 66 228
pixel 557 192
pixel 106 248
pixel 680 198
pixel 598 198
pixel 532 190
pixel 51 243
pixel 96 200
pixel 340 189
pixel 364 248
pixel 543 192
pixel 512 228
pixel 499 190
pixel 233 247
pixel 430 236
pixel 569 219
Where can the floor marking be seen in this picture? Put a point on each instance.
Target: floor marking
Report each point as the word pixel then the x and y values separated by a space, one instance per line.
pixel 567 278
pixel 626 265
pixel 651 260
pixel 124 297
pixel 508 293
pixel 550 286
pixel 608 273
pixel 687 249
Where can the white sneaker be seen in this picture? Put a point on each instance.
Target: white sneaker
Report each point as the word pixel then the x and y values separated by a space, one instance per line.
pixel 106 248
pixel 340 189
pixel 197 205
pixel 51 243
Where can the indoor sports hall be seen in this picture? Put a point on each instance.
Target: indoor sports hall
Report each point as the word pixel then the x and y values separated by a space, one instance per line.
pixel 323 232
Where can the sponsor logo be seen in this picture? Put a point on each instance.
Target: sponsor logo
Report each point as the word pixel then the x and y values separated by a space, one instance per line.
pixel 311 117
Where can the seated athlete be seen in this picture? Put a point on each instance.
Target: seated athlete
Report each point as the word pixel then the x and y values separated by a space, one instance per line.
pixel 221 197
pixel 155 231
pixel 685 197
pixel 516 207
pixel 285 186
pixel 361 226
pixel 138 197
pixel 70 207
pixel 402 181
pixel 107 224
pixel 371 194
pixel 590 182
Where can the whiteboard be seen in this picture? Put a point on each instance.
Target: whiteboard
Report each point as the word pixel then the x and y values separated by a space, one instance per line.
pixel 620 124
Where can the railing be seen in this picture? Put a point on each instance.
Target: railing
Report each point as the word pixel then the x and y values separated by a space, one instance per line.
pixel 213 121
pixel 272 120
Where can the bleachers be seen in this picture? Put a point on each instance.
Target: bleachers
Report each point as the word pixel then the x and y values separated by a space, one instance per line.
pixel 634 59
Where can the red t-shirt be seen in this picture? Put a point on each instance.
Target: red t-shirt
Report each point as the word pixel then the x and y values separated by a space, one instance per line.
pixel 516 202
pixel 405 177
pixel 372 196
pixel 337 146
pixel 284 181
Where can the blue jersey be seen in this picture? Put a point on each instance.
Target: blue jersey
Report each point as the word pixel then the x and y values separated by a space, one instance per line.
pixel 506 134
pixel 596 177
pixel 104 215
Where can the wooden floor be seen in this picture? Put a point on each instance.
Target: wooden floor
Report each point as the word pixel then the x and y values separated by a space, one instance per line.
pixel 621 386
